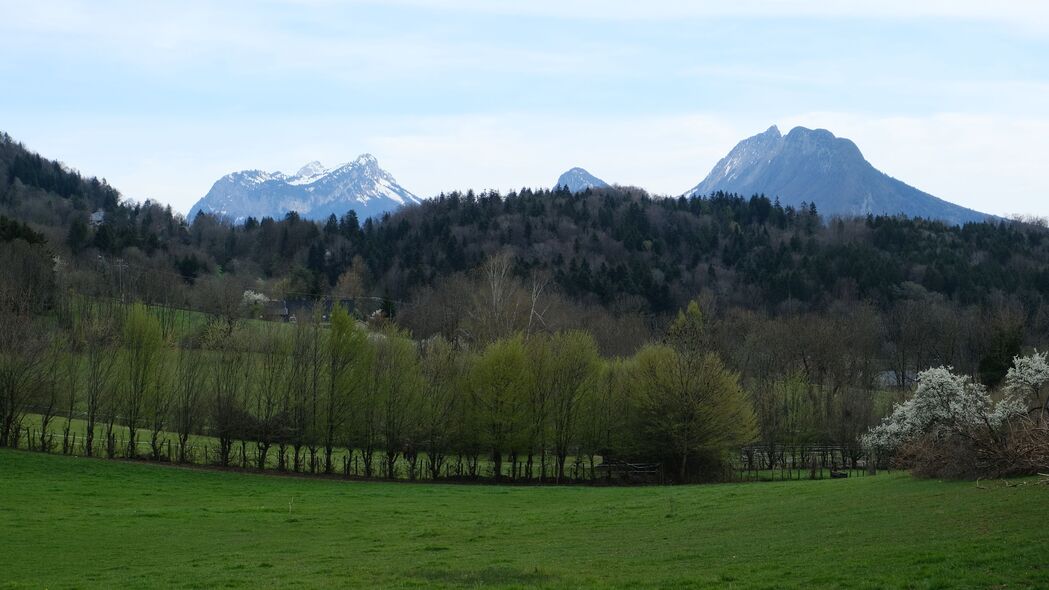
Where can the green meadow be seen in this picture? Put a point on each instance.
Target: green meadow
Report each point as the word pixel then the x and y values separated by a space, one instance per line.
pixel 69 522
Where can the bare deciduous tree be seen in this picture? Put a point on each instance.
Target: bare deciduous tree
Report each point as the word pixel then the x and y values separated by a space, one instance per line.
pixel 269 389
pixel 228 384
pixel 187 385
pixel 100 337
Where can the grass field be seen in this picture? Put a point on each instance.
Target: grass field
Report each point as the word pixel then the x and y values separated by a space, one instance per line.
pixel 72 522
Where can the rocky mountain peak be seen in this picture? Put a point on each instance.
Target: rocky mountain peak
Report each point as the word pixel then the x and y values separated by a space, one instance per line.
pixel 814 166
pixel 578 180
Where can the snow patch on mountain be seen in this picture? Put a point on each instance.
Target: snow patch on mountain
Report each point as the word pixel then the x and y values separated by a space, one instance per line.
pixel 314 192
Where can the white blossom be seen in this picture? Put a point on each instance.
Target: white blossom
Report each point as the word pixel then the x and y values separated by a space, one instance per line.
pixel 943 404
pixel 253 297
pixel 1028 374
pixel 1012 406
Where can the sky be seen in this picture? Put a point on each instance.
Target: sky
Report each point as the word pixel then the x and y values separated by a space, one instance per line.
pixel 163 98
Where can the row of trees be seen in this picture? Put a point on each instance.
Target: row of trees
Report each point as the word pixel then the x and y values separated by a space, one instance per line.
pixel 300 396
pixel 812 378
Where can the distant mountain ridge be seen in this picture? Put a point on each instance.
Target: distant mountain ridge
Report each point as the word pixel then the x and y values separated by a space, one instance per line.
pixel 803 166
pixel 814 166
pixel 578 180
pixel 314 192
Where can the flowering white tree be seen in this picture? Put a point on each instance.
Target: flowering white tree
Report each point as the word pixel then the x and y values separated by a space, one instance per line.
pixel 952 427
pixel 943 404
pixel 253 298
pixel 253 301
pixel 1026 380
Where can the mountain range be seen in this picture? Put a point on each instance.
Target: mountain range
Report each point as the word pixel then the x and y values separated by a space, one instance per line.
pixel 803 166
pixel 814 166
pixel 315 192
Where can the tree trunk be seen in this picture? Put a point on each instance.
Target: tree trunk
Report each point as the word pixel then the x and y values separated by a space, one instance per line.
pixel 183 444
pixel 561 458
pixel 497 459
pixel 89 439
pixel 262 450
pixel 154 444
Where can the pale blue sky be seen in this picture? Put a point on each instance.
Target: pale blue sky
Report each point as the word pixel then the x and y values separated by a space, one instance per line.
pixel 163 98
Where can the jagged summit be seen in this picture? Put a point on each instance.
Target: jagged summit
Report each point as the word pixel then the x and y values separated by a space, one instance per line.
pixel 315 192
pixel 814 166
pixel 311 169
pixel 578 180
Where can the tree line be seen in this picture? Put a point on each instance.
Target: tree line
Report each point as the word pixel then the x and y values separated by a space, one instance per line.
pixel 539 406
pixel 809 379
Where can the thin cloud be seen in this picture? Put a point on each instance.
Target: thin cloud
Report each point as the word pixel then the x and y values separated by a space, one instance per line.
pixel 1022 14
pixel 165 98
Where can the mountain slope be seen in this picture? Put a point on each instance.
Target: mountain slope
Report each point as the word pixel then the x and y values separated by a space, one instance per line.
pixel 814 166
pixel 315 192
pixel 578 180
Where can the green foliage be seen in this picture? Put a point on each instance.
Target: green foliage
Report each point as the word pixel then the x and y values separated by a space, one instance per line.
pixel 691 407
pixel 400 385
pixel 498 383
pixel 144 372
pixel 142 333
pixel 573 373
pixel 443 370
pixel 686 332
pixel 346 348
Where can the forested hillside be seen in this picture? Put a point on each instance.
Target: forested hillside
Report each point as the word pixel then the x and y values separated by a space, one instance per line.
pixel 820 319
pixel 615 252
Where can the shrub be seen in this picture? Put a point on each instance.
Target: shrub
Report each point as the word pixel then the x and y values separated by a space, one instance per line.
pixel 952 427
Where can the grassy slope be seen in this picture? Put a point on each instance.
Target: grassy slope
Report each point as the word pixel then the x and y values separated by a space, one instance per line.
pixel 67 522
